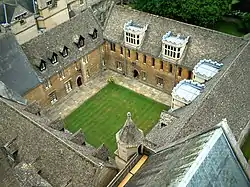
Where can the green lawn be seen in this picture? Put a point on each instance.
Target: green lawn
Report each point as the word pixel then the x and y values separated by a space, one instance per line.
pixel 104 114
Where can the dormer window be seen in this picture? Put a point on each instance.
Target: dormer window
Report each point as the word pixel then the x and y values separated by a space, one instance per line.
pixel 54 58
pixel 173 46
pixel 64 52
pixel 42 66
pixel 49 3
pixel 93 33
pixel 134 34
pixel 79 42
pixel 132 38
pixel 21 18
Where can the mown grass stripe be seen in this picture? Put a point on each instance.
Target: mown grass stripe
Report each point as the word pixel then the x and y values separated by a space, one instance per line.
pixel 102 115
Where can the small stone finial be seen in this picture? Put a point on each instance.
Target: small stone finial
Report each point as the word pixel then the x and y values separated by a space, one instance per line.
pixel 129 115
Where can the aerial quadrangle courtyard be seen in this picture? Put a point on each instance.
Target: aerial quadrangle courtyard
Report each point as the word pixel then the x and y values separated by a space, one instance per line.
pixel 101 116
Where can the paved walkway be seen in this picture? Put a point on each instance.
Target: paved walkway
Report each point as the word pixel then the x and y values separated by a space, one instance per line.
pixel 77 96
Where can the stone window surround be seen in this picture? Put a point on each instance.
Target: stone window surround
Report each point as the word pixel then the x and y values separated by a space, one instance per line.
pixel 144 76
pixel 119 65
pixel 133 34
pixel 129 54
pixel 159 81
pixel 53 59
pixel 121 50
pixel 132 38
pixel 112 46
pixel 68 85
pixel 61 74
pixel 64 52
pixel 161 65
pixel 42 66
pixel 53 97
pixel 179 71
pixel 47 84
pixel 153 62
pixel 172 51
pixel 170 68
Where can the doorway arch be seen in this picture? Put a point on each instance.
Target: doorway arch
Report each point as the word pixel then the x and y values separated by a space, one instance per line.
pixel 79 81
pixel 135 74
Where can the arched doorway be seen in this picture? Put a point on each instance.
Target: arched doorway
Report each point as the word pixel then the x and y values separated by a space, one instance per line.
pixel 79 81
pixel 136 74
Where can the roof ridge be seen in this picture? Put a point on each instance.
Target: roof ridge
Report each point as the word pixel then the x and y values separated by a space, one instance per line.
pixel 108 16
pixel 52 134
pixel 184 23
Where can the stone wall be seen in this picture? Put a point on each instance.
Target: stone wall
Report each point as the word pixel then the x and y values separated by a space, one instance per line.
pixel 54 16
pixel 149 69
pixel 86 68
pixel 26 31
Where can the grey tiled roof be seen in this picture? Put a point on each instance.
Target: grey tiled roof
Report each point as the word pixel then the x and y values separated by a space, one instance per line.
pixel 55 39
pixel 129 133
pixel 229 99
pixel 203 43
pixel 7 93
pixel 58 159
pixel 225 96
pixel 164 167
pixel 15 70
pixel 102 153
pixel 28 176
pixel 204 159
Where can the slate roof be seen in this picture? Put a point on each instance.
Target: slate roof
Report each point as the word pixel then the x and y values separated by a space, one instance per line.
pixel 226 96
pixel 7 93
pixel 203 43
pixel 229 99
pixel 14 8
pixel 58 159
pixel 207 158
pixel 55 39
pixel 129 133
pixel 15 70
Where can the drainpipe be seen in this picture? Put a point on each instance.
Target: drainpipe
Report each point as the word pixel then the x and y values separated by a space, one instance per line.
pixel 5 14
pixel 34 6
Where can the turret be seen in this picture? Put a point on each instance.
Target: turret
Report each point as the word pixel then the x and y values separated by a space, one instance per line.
pixel 128 138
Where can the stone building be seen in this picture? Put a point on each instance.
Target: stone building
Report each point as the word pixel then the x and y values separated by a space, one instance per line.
pixel 208 158
pixel 128 140
pixel 34 154
pixel 28 18
pixel 160 51
pixel 157 51
pixel 18 15
pixel 65 58
pixel 16 72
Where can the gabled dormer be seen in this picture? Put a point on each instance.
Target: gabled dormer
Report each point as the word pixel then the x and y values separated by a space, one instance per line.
pixel 54 58
pixel 173 46
pixel 64 51
pixel 93 33
pixel 134 34
pixel 42 66
pixel 79 41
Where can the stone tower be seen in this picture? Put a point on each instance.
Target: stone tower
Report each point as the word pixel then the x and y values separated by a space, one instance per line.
pixel 128 138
